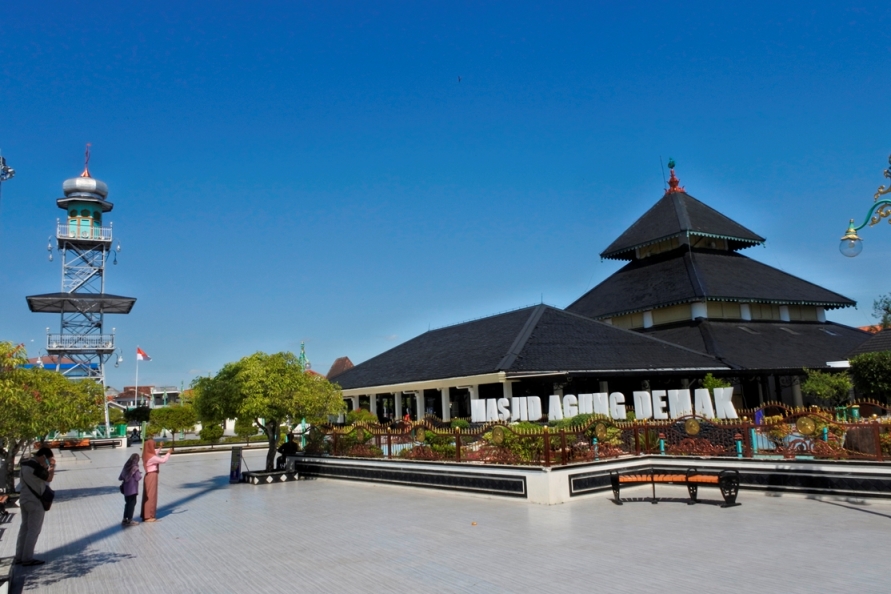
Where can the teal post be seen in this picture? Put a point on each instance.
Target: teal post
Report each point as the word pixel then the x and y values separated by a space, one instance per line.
pixel 596 449
pixel 754 441
pixel 661 444
pixel 825 433
pixel 303 434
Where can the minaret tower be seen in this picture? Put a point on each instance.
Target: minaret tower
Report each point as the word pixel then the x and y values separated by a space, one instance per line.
pixel 85 246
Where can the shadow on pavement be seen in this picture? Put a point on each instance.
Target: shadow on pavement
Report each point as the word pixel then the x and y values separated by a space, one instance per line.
pixel 76 559
pixel 860 509
pixel 68 494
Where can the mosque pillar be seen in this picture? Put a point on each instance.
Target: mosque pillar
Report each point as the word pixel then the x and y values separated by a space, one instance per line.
pixel 446 412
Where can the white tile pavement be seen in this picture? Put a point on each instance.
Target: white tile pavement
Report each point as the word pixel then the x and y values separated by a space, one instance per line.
pixel 334 536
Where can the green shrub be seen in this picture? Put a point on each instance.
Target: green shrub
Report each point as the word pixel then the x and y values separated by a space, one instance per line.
pixel 461 424
pixel 871 373
pixel 360 415
pixel 211 433
pixel 833 388
pixel 710 382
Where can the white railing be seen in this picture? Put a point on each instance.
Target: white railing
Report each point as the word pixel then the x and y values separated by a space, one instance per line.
pixel 64 231
pixel 69 342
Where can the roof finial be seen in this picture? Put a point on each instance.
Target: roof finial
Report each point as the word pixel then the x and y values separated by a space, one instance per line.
pixel 86 172
pixel 673 182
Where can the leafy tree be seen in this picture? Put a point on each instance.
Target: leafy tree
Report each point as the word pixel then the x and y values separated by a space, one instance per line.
pixel 140 414
pixel 271 389
pixel 211 432
pixel 173 418
pixel 115 416
pixel 36 402
pixel 361 415
pixel 832 388
pixel 245 428
pixel 881 310
pixel 710 382
pixel 871 373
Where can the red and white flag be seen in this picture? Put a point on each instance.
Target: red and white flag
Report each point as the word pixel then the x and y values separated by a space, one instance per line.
pixel 141 355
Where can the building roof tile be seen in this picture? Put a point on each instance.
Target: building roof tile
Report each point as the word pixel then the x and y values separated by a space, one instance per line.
pixel 679 214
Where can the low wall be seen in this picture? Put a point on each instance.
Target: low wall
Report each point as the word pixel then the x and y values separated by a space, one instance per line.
pixel 563 483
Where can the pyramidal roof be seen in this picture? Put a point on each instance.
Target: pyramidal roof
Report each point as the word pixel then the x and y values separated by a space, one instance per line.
pixel 679 214
pixel 534 340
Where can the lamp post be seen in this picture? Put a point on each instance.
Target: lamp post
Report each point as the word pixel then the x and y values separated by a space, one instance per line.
pixel 851 244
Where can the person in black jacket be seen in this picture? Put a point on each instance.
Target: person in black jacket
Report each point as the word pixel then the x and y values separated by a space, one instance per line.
pixel 37 471
pixel 289 448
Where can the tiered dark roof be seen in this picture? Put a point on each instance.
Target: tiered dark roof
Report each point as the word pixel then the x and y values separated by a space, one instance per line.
pixel 678 214
pixel 878 342
pixel 765 346
pixel 539 339
pixel 685 275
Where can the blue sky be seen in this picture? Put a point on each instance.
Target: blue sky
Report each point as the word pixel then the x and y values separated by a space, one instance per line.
pixel 288 171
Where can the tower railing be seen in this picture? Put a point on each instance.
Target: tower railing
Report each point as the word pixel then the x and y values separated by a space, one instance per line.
pixel 74 342
pixel 64 231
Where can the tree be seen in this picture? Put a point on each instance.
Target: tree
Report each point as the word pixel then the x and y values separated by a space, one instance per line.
pixel 871 373
pixel 245 428
pixel 270 389
pixel 832 388
pixel 139 414
pixel 881 310
pixel 37 402
pixel 173 418
pixel 211 432
pixel 710 382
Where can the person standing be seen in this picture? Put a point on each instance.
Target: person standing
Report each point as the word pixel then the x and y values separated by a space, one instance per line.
pixel 151 460
pixel 37 471
pixel 130 488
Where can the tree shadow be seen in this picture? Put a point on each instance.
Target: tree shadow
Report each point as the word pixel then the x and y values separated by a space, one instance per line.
pixel 865 511
pixel 69 494
pixel 70 565
pixel 76 559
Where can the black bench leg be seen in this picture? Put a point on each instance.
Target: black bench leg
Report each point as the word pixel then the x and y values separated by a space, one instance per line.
pixel 693 490
pixel 728 481
pixel 614 481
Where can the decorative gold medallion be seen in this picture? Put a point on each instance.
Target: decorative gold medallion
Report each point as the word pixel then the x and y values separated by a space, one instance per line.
pixel 600 431
pixel 498 435
pixel 419 434
pixel 806 425
pixel 691 426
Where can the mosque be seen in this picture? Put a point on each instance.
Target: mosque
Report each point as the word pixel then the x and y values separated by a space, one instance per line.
pixel 687 303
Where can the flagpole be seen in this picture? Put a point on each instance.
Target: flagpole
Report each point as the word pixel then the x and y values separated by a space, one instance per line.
pixel 137 377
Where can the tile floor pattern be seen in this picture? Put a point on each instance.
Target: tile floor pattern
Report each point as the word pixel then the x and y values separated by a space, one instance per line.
pixel 332 536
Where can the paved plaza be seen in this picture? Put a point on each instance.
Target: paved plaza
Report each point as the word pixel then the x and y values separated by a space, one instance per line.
pixel 333 536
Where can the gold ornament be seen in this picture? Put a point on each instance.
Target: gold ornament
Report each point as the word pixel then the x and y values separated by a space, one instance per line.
pixel 600 431
pixel 691 426
pixel 498 435
pixel 419 434
pixel 806 426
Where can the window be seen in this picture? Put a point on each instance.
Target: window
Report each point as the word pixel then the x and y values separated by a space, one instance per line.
pixel 764 311
pixel 658 247
pixel 72 213
pixel 628 321
pixel 85 213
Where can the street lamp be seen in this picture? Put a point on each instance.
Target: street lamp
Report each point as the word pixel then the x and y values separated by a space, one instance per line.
pixel 851 244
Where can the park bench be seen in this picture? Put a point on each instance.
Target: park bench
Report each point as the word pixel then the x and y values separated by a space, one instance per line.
pixel 726 480
pixel 104 443
pixel 75 444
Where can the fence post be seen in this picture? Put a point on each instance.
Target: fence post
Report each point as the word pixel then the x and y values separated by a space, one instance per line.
pixel 389 444
pixel 334 433
pixel 547 446
pixel 661 444
pixel 636 440
pixel 563 454
pixel 878 437
pixel 458 444
pixel 646 437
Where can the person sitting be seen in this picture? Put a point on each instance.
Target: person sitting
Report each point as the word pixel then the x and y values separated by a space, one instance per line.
pixel 289 448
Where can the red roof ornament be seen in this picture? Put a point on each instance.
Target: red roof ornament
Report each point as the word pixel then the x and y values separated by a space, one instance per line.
pixel 86 172
pixel 674 186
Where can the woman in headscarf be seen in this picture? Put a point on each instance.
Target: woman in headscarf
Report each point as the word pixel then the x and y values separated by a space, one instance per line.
pixel 151 460
pixel 130 488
